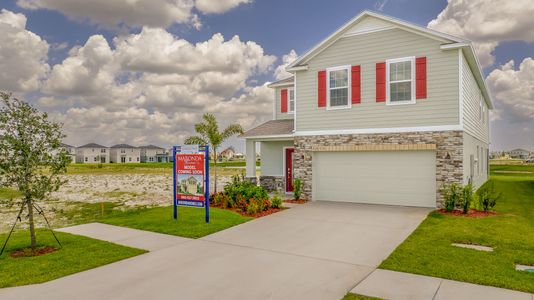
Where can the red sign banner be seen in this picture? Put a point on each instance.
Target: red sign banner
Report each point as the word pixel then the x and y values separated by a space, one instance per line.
pixel 190 172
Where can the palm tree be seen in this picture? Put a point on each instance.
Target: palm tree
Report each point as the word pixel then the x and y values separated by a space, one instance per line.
pixel 209 134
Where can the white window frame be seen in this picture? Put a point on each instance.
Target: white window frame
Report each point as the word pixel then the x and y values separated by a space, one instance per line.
pixel 411 59
pixel 289 111
pixel 349 87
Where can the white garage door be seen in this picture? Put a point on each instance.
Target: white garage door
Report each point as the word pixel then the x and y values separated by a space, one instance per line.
pixel 405 178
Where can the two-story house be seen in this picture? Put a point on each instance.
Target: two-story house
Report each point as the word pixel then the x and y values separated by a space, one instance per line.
pixel 382 111
pixel 71 152
pixel 124 153
pixel 520 153
pixel 152 153
pixel 92 153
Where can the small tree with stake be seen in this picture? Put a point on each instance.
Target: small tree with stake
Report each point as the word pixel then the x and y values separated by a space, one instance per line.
pixel 209 135
pixel 31 157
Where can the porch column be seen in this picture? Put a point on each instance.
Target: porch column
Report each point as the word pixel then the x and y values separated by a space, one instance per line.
pixel 250 153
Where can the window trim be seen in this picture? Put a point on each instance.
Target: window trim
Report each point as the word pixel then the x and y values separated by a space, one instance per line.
pixel 411 59
pixel 349 87
pixel 289 111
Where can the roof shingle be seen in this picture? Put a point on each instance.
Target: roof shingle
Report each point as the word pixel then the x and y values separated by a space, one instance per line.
pixel 274 127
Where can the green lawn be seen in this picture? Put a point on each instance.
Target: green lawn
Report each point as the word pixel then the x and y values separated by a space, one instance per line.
pixel 137 167
pixel 428 251
pixel 351 296
pixel 78 254
pixel 190 222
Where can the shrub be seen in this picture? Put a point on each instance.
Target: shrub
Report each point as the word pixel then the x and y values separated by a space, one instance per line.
pixel 241 203
pixel 276 201
pixel 452 196
pixel 487 197
pixel 253 207
pixel 297 189
pixel 239 186
pixel 467 197
pixel 266 204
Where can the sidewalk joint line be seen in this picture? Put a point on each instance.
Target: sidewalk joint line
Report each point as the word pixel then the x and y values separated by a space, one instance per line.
pixel 436 293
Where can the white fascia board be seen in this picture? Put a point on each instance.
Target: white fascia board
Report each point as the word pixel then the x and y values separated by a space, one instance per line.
pixel 275 85
pixel 380 130
pixel 298 68
pixel 281 137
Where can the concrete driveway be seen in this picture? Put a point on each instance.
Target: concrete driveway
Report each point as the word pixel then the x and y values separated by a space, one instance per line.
pixel 313 251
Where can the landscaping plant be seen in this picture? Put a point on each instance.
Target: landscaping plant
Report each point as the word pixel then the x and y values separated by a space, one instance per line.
pixel 467 197
pixel 209 135
pixel 31 156
pixel 276 201
pixel 297 189
pixel 452 195
pixel 487 196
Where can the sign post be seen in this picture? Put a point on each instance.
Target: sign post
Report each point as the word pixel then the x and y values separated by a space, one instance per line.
pixel 191 177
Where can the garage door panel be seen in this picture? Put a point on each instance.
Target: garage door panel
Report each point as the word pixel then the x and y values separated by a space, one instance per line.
pixel 395 178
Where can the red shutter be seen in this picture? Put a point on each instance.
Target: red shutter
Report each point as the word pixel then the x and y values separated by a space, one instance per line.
pixel 420 77
pixel 380 82
pixel 321 98
pixel 356 83
pixel 283 97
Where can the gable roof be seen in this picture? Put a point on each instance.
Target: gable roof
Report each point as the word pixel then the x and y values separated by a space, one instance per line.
pixel 66 145
pixel 271 128
pixel 92 145
pixel 449 42
pixel 124 146
pixel 284 82
pixel 151 147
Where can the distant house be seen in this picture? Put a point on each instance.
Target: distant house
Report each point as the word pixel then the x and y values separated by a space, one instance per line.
pixel 189 185
pixel 92 154
pixel 228 153
pixel 71 152
pixel 124 153
pixel 239 155
pixel 519 153
pixel 152 153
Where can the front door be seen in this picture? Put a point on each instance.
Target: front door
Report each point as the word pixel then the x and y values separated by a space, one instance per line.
pixel 289 168
pixel 123 159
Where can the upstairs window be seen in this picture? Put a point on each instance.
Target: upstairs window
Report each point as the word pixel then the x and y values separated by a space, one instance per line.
pixel 291 100
pixel 103 150
pixel 400 80
pixel 338 87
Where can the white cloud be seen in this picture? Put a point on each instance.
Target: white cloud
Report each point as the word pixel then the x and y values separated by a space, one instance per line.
pixel 513 90
pixel 152 87
pixel 160 13
pixel 137 13
pixel 280 72
pixel 487 23
pixel 23 54
pixel 218 6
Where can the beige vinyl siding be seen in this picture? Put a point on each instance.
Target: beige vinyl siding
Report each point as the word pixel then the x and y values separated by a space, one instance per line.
pixel 472 98
pixel 272 157
pixel 278 102
pixel 477 148
pixel 440 108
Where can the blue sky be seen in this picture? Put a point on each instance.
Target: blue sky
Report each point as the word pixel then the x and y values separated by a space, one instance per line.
pixel 276 27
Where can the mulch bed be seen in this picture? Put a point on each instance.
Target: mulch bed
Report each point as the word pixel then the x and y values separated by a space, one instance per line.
pixel 295 201
pixel 29 252
pixel 471 214
pixel 258 215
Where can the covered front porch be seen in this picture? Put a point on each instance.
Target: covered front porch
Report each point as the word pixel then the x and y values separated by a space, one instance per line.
pixel 274 142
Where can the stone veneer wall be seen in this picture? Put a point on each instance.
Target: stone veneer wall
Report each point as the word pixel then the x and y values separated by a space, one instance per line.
pixel 273 183
pixel 449 153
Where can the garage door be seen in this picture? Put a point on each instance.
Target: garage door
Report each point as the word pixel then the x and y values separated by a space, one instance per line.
pixel 405 178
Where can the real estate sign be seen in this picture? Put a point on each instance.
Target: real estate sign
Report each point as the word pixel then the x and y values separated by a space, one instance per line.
pixel 191 177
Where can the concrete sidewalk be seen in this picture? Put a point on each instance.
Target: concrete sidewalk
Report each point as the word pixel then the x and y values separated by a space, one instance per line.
pixel 397 285
pixel 135 238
